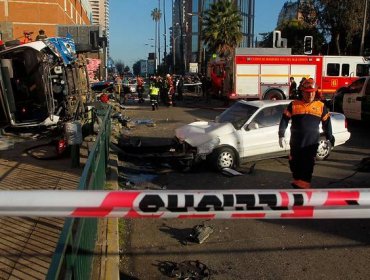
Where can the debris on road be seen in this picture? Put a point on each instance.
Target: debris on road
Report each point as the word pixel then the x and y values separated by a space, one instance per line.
pixel 194 270
pixel 231 172
pixel 200 233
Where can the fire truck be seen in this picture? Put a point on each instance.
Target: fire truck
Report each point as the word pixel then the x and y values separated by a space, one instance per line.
pixel 264 73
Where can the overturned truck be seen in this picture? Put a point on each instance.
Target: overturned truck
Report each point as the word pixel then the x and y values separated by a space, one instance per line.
pixel 42 83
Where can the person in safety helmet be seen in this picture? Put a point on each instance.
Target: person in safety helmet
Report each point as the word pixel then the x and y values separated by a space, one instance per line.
pixel 306 115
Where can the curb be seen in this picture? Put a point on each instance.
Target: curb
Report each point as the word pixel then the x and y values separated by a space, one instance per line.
pixel 110 260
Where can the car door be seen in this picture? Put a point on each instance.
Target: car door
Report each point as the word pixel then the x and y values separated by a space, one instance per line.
pixel 260 136
pixel 352 100
pixel 365 104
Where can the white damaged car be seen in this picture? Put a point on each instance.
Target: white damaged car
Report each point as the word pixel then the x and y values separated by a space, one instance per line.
pixel 247 131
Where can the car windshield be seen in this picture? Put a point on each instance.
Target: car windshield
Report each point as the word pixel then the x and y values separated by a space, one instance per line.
pixel 237 114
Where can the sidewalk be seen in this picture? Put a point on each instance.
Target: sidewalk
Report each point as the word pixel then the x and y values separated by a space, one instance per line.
pixel 28 244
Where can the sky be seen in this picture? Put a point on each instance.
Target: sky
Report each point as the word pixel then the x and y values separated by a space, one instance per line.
pixel 132 28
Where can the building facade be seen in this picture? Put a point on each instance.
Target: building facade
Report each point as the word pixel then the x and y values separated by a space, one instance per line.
pixel 100 15
pixel 16 17
pixel 187 45
pixel 291 10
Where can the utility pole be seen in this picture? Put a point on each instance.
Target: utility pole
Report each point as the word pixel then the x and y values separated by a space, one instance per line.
pixel 363 30
pixel 165 36
pixel 200 37
pixel 159 35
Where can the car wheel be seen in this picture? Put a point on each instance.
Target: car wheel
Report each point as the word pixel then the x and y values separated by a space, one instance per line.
pixel 323 150
pixel 224 158
pixel 274 95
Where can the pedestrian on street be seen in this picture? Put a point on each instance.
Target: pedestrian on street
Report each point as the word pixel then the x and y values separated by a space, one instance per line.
pixel 119 90
pixel 170 89
pixel 292 88
pixel 41 36
pixel 153 93
pixel 180 88
pixel 306 115
pixel 299 89
pixel 140 88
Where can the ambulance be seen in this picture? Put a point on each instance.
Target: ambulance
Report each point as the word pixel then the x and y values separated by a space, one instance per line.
pixel 264 73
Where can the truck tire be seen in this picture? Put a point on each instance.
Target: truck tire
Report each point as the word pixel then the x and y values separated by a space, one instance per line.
pixel 323 150
pixel 223 158
pixel 274 94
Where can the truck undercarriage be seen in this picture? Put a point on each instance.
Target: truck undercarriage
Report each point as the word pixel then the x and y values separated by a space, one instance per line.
pixel 39 88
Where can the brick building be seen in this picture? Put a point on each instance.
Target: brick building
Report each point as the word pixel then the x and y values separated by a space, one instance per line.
pixel 33 15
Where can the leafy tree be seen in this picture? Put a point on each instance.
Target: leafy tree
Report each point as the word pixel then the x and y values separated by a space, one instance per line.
pixel 136 68
pixel 221 28
pixel 119 66
pixel 341 20
pixel 126 69
pixel 295 31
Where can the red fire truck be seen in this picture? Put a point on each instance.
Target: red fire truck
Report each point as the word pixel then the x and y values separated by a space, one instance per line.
pixel 264 73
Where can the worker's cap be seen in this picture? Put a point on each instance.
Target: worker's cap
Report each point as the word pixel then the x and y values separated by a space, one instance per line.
pixel 27 32
pixel 308 85
pixel 168 75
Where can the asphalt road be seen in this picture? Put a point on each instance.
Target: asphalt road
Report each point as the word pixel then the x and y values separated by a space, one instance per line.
pixel 243 249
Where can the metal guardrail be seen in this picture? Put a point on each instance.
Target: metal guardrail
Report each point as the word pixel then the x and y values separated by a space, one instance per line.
pixel 74 252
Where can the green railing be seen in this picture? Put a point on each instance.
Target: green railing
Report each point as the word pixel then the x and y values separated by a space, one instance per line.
pixel 74 252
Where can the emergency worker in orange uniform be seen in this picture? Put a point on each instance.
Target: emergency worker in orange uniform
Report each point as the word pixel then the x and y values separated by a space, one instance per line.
pixel 140 88
pixel 306 115
pixel 170 88
pixel 27 37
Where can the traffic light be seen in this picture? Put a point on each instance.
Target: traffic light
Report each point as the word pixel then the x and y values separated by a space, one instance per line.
pixel 308 44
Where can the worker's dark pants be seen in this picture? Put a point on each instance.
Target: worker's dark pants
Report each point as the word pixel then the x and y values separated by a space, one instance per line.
pixel 154 101
pixel 302 161
pixel 140 91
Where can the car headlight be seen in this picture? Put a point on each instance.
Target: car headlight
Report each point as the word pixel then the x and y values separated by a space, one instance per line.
pixel 208 147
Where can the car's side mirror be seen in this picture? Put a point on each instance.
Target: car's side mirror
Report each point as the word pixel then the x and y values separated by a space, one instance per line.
pixel 252 126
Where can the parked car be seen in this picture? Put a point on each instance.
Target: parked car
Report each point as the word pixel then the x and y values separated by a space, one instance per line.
pixel 354 101
pixel 247 131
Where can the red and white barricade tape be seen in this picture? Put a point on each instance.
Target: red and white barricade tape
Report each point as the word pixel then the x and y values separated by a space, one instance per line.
pixel 220 204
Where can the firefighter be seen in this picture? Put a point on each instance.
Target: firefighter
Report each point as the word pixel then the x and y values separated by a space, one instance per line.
pixel 306 115
pixel 153 93
pixel 170 89
pixel 27 37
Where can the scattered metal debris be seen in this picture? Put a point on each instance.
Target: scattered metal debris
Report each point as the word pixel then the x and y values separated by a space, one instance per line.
pixel 6 144
pixel 186 270
pixel 147 122
pixel 200 233
pixel 231 172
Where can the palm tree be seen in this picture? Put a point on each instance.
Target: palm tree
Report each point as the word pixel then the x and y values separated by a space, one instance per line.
pixel 156 16
pixel 222 28
pixel 222 34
